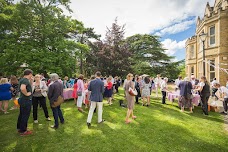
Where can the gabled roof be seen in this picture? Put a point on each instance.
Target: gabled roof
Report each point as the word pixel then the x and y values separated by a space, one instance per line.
pixel 220 4
pixel 198 21
pixel 217 2
pixel 208 10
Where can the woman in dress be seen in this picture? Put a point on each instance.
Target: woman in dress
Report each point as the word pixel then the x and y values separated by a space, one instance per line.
pixel 39 89
pixel 65 83
pixel 108 90
pixel 152 84
pixel 157 82
pixel 80 92
pixel 14 93
pixel 204 88
pixel 146 91
pixel 5 94
pixel 130 99
pixel 75 96
pixel 86 99
pixel 117 84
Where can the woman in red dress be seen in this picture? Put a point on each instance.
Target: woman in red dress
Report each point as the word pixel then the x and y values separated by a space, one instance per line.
pixel 75 96
pixel 108 90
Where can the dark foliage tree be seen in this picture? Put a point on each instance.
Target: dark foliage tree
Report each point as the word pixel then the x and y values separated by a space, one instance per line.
pixel 110 56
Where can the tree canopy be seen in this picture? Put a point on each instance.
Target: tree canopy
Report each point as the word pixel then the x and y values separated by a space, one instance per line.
pixel 36 33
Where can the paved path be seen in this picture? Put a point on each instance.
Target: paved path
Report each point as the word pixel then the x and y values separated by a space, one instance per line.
pixel 226 122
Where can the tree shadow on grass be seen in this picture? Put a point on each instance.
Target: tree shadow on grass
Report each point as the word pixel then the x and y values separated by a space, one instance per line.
pixel 197 111
pixel 151 131
pixel 160 136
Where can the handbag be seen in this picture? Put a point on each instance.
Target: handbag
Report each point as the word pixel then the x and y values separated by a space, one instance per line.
pixel 16 103
pixel 79 93
pixel 189 95
pixel 132 92
pixel 58 102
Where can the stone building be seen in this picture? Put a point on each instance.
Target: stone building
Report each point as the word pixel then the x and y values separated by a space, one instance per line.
pixel 215 24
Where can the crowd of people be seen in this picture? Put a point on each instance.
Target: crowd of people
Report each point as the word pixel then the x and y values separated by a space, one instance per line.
pixel 203 88
pixel 33 91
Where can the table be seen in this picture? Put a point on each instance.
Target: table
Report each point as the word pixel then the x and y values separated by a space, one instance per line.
pixel 68 93
pixel 195 99
pixel 172 96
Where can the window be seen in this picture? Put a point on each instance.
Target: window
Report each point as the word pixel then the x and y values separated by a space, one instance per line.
pixel 192 70
pixel 212 70
pixel 200 69
pixel 212 36
pixel 191 51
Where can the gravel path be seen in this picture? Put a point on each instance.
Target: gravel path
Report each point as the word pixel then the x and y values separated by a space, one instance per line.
pixel 226 122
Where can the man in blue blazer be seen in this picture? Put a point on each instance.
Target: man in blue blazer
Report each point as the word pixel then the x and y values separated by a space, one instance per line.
pixel 96 87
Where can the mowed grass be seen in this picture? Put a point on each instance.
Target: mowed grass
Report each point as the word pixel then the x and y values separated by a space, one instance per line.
pixel 157 128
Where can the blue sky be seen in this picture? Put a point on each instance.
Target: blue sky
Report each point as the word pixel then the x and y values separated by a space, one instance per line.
pixel 180 54
pixel 180 36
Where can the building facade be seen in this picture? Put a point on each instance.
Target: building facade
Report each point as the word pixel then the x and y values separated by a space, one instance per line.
pixel 215 25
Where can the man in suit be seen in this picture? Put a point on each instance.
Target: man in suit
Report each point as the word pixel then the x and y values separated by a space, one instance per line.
pixel 55 90
pixel 96 87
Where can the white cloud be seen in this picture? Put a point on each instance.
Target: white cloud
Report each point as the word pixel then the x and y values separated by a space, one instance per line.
pixel 173 46
pixel 176 28
pixel 174 60
pixel 139 16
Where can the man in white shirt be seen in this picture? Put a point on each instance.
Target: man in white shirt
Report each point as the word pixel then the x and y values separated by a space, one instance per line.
pixel 177 82
pixel 224 91
pixel 164 89
pixel 105 81
pixel 157 82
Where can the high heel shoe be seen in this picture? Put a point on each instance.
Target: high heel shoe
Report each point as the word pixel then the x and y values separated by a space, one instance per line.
pixel 134 117
pixel 127 121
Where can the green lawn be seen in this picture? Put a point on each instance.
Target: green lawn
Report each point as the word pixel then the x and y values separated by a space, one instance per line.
pixel 157 128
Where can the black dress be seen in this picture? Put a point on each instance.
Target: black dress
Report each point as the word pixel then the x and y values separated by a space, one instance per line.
pixel 107 92
pixel 137 87
pixel 205 94
pixel 15 91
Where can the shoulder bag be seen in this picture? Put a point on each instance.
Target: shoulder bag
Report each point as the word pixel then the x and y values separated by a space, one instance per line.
pixel 189 95
pixel 58 102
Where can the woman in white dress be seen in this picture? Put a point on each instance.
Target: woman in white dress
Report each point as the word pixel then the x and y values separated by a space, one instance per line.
pixel 146 91
pixel 157 82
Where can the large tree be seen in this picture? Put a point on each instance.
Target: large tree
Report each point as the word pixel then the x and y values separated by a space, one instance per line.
pixel 35 32
pixel 84 37
pixel 147 48
pixel 110 56
pixel 148 56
